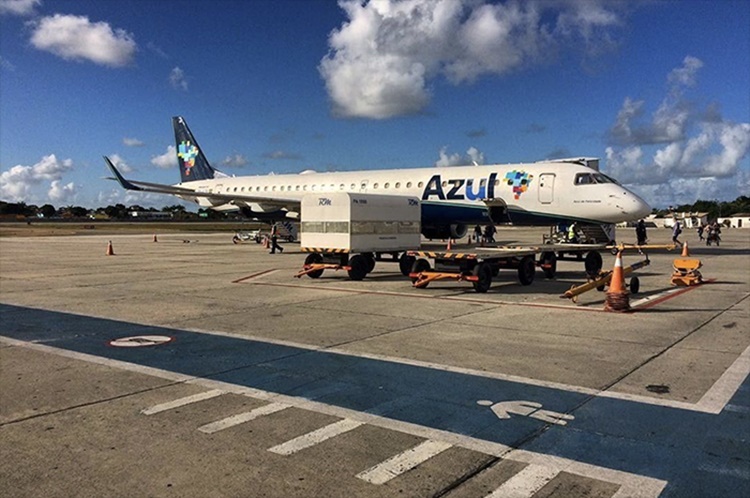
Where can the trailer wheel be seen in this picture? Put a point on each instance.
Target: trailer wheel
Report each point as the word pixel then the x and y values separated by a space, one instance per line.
pixel 370 259
pixel 419 266
pixel 484 273
pixel 405 264
pixel 313 259
pixel 358 266
pixel 635 285
pixel 526 270
pixel 549 259
pixel 235 240
pixel 593 264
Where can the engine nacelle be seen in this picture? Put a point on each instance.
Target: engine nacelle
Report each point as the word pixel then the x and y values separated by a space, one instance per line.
pixel 455 231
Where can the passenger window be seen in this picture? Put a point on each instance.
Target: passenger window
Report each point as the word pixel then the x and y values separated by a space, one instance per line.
pixel 420 184
pixel 386 185
pixel 408 184
pixel 398 185
pixel 374 185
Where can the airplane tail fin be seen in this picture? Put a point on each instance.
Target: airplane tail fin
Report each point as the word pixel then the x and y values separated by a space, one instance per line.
pixel 193 164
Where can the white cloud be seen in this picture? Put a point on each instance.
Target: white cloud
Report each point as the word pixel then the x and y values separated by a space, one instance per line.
pixel 76 38
pixel 166 160
pixel 132 142
pixel 18 183
pixel 64 194
pixel 18 7
pixel 177 79
pixel 235 161
pixel 384 57
pixel 686 74
pixel 120 163
pixel 683 153
pixel 473 155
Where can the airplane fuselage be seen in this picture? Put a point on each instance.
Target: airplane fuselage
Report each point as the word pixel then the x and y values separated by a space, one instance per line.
pixel 525 194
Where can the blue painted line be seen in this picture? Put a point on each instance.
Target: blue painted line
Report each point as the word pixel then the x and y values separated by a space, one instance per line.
pixel 693 451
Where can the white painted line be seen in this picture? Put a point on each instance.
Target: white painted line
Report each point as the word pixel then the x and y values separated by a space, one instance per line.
pixel 182 402
pixel 241 418
pixel 649 400
pixel 632 485
pixel 403 462
pixel 724 388
pixel 527 482
pixel 315 437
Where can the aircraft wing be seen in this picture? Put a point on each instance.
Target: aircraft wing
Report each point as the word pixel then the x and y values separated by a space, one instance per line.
pixel 213 197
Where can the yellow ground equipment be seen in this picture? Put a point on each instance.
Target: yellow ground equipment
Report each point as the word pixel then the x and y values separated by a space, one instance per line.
pixel 686 272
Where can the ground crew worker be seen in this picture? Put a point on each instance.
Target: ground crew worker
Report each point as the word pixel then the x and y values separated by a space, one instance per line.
pixel 275 241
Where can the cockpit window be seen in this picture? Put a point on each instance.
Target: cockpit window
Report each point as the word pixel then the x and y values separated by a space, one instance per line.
pixel 592 178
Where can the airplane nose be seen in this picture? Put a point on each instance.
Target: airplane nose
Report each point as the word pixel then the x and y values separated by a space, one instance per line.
pixel 641 209
pixel 629 206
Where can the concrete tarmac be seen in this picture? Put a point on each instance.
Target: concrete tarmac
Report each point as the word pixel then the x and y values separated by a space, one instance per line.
pixel 192 366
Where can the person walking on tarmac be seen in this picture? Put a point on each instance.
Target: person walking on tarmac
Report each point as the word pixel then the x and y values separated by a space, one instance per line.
pixel 640 232
pixel 275 240
pixel 676 231
pixel 489 233
pixel 478 233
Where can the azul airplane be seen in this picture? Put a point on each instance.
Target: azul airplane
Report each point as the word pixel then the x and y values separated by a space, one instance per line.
pixel 453 198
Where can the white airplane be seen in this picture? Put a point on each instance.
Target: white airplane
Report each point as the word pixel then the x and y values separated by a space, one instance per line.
pixel 453 198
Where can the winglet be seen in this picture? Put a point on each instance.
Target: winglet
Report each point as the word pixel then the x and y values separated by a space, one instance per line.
pixel 120 179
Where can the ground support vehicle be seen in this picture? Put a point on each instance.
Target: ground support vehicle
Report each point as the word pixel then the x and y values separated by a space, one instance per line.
pixel 344 231
pixel 602 279
pixel 482 265
pixel 241 237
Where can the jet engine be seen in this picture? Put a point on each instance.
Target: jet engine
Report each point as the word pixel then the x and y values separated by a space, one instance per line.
pixel 455 231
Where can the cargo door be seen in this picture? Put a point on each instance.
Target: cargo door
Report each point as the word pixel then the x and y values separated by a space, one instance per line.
pixel 546 188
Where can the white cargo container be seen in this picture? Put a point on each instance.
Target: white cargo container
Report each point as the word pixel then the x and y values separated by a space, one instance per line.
pixel 344 230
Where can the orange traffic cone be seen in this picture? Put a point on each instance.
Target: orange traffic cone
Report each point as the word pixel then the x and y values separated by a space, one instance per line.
pixel 685 253
pixel 110 251
pixel 449 247
pixel 617 298
pixel 155 238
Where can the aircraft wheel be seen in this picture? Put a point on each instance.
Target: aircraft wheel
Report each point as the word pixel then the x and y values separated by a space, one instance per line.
pixel 593 264
pixel 484 272
pixel 419 266
pixel 358 266
pixel 635 285
pixel 405 263
pixel 312 259
pixel 549 259
pixel 526 270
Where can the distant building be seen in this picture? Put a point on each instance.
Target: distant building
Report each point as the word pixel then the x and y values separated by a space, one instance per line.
pixel 688 220
pixel 739 220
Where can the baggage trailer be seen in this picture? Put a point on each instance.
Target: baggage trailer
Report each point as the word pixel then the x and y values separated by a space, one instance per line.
pixel 479 267
pixel 349 231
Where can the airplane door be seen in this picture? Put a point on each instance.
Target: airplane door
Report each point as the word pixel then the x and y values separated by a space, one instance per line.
pixel 546 188
pixel 363 186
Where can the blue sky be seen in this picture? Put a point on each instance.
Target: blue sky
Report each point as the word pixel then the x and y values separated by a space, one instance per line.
pixel 659 90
